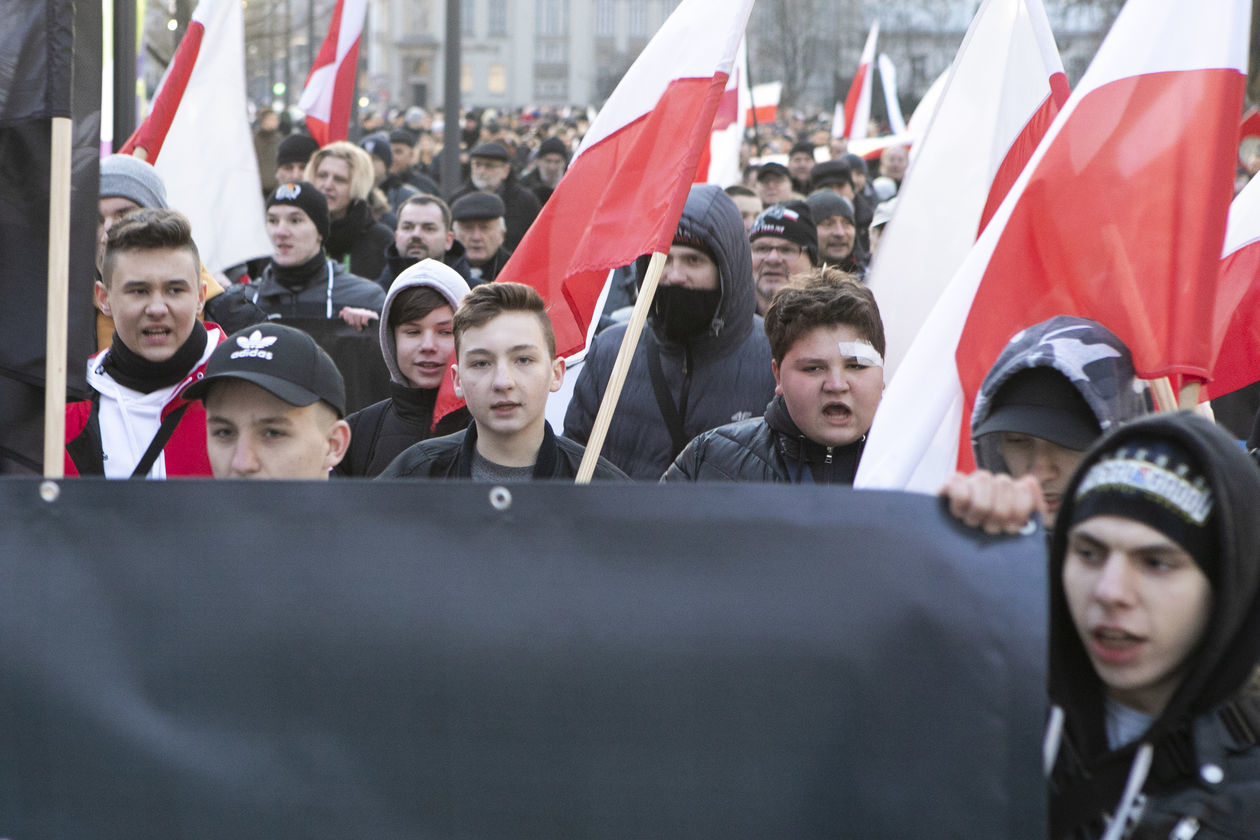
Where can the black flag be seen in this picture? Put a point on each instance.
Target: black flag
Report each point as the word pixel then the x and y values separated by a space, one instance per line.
pixel 51 68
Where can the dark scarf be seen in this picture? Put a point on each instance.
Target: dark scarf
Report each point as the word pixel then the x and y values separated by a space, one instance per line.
pixel 344 232
pixel 139 374
pixel 415 405
pixel 295 278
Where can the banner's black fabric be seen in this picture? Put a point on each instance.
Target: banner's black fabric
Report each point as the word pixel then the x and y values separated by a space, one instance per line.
pixel 37 48
pixel 433 660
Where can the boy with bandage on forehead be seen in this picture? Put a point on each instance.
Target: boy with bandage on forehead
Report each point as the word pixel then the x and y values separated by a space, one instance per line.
pixel 827 343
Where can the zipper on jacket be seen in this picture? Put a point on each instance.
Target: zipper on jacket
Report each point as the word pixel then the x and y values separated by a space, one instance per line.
pixel 1186 829
pixel 828 459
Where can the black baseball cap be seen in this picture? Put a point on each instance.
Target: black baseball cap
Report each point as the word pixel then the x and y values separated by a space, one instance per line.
pixel 283 361
pixel 1043 403
pixel 772 168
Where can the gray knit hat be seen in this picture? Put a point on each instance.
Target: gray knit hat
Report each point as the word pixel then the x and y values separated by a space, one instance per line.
pixel 124 176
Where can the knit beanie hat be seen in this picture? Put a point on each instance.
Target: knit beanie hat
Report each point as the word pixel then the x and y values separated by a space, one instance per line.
pixel 553 146
pixel 1159 483
pixel 305 197
pixel 124 176
pixel 296 148
pixel 790 220
pixel 377 145
pixel 823 204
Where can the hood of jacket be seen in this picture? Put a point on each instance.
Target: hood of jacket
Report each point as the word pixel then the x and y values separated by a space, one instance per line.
pixel 712 217
pixel 1231 641
pixel 1089 355
pixel 428 272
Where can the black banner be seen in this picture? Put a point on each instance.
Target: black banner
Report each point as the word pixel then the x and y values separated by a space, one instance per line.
pixel 446 660
pixel 42 42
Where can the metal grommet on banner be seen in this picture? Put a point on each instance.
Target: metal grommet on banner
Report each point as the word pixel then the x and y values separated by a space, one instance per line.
pixel 500 498
pixel 49 491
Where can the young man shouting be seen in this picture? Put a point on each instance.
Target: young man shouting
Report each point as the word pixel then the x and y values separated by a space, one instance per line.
pixel 138 423
pixel 828 343
pixel 506 365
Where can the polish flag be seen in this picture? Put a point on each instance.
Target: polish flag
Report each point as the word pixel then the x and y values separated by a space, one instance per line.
pixel 763 108
pixel 623 193
pixel 198 139
pixel 857 105
pixel 329 90
pixel 1236 321
pixel 1095 227
pixel 1004 89
pixel 719 161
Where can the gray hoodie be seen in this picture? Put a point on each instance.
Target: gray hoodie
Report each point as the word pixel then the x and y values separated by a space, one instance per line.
pixel 1089 355
pixel 428 272
pixel 725 373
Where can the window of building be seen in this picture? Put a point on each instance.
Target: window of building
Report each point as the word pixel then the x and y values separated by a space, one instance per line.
pixel 497 24
pixel 557 89
pixel 605 19
pixel 550 51
pixel 552 17
pixel 468 17
pixel 638 19
pixel 496 81
pixel 466 79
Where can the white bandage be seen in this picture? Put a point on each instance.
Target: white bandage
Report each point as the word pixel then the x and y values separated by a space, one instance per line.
pixel 863 351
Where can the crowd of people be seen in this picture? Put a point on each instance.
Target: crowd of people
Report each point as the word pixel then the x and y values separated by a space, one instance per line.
pixel 762 360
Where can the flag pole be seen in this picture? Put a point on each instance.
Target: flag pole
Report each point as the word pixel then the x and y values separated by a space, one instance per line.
pixel 58 284
pixel 621 367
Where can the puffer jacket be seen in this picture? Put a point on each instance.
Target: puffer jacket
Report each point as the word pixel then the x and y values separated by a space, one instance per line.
pixel 769 448
pixel 724 373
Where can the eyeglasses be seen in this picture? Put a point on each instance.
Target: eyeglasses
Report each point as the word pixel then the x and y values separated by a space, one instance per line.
pixel 787 250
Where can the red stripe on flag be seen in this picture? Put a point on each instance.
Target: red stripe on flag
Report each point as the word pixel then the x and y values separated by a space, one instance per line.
pixel 620 199
pixel 727 111
pixel 762 114
pixel 1238 363
pixel 851 101
pixel 1022 149
pixel 338 125
pixel 151 134
pixel 1103 230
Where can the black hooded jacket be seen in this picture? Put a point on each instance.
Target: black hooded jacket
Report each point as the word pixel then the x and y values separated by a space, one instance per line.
pixel 1204 779
pixel 724 374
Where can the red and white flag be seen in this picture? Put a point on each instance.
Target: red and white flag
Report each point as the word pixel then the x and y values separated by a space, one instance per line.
pixel 857 105
pixel 719 162
pixel 1236 322
pixel 624 192
pixel 1004 89
pixel 1094 227
pixel 763 103
pixel 197 138
pixel 329 90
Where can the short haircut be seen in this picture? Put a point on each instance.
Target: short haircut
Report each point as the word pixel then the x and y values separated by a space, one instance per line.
pixel 821 297
pixel 149 229
pixel 424 200
pixel 490 300
pixel 739 189
pixel 415 303
pixel 362 173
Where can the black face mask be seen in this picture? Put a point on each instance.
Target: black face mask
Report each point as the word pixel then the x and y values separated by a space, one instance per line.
pixel 684 313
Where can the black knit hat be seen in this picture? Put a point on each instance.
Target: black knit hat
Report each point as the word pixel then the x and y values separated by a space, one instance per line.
pixel 377 145
pixel 1159 483
pixel 823 204
pixel 404 136
pixel 790 220
pixel 306 198
pixel 802 146
pixel 296 148
pixel 553 146
pixel 281 360
pixel 830 172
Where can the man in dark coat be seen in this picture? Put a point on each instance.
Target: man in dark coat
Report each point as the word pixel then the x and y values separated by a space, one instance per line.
pixel 490 172
pixel 703 360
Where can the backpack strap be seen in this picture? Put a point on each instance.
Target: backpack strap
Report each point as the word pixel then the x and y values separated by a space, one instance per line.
pixel 164 432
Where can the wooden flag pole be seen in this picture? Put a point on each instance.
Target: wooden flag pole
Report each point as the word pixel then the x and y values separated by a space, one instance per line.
pixel 58 309
pixel 1165 399
pixel 1188 399
pixel 620 368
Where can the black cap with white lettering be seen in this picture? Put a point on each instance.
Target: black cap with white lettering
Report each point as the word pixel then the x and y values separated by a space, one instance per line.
pixel 282 361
